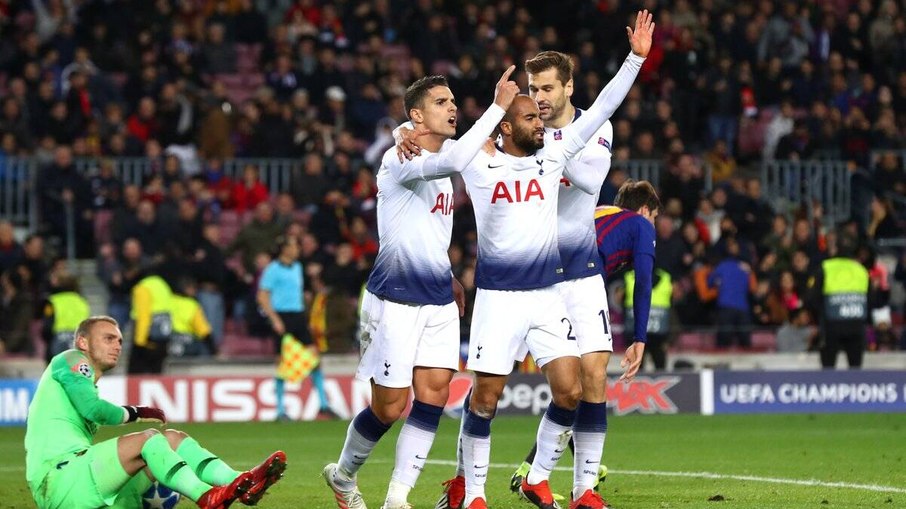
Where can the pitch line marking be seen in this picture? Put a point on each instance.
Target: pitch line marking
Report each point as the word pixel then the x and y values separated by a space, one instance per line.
pixel 711 475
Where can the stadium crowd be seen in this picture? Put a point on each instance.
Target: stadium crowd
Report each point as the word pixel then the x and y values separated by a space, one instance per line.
pixel 190 84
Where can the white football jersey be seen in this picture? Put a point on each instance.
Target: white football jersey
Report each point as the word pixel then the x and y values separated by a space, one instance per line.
pixel 576 212
pixel 415 218
pixel 415 221
pixel 516 198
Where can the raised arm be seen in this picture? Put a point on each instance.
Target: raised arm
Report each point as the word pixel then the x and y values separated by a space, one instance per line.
pixel 577 134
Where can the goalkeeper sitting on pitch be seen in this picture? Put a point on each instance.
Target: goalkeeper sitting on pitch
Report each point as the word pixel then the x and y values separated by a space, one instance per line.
pixel 64 468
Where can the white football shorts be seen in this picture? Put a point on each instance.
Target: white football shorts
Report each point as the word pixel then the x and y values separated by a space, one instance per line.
pixel 396 337
pixel 508 323
pixel 586 303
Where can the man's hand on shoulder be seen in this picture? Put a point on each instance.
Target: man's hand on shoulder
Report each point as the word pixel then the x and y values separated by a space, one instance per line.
pixel 144 414
pixel 407 147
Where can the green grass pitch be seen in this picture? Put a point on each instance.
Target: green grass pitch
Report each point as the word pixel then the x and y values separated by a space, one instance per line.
pixel 655 462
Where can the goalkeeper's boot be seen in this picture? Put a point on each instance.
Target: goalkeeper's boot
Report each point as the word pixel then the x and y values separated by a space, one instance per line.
pixel 221 497
pixel 264 476
pixel 602 476
pixel 346 498
pixel 454 494
pixel 589 500
pixel 538 495
pixel 519 475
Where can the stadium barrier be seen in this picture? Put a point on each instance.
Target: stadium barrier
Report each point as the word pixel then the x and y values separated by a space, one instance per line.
pixel 252 398
pixel 789 184
pixel 18 192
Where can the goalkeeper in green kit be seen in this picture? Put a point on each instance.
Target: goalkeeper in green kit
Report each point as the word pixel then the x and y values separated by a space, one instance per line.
pixel 65 470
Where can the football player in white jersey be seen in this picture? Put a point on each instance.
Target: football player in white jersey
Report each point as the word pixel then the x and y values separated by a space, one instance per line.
pixel 409 320
pixel 550 78
pixel 517 307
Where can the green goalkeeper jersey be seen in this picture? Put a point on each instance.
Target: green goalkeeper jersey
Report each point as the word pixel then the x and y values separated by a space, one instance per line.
pixel 64 414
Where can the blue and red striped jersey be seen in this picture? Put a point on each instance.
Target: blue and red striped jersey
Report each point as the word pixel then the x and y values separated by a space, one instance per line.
pixel 626 239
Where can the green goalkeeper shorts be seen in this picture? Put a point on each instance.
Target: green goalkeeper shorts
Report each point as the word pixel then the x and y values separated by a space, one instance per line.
pixel 90 479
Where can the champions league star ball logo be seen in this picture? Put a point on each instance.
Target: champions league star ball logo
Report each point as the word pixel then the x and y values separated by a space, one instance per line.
pixel 83 369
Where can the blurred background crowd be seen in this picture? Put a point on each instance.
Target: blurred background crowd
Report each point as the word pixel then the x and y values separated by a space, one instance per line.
pixel 190 86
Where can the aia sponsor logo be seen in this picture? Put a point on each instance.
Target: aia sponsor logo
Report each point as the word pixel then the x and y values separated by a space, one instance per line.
pixel 443 204
pixel 514 193
pixel 644 395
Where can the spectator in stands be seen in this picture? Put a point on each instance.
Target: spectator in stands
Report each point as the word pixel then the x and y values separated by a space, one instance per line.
pixel 34 267
pixel 249 25
pixel 63 191
pixel 16 312
pixel 106 187
pixel 882 223
pixel 798 334
pixel 217 56
pixel 889 174
pixel 258 236
pixel 175 115
pixel 10 250
pixel 878 300
pixel 248 192
pixel 188 225
pixel 148 229
pixel 142 125
pixel 723 166
pixel 780 126
pixel 120 270
pixel 670 249
pixel 733 280
pixel 344 278
pixel 797 145
pixel 309 185
pixel 209 267
pixel 723 119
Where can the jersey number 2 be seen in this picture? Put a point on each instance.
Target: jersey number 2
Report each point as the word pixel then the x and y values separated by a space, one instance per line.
pixel 569 335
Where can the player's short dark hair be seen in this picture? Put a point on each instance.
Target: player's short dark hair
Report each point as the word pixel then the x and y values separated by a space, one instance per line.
pixel 416 93
pixel 633 195
pixel 551 60
pixel 85 326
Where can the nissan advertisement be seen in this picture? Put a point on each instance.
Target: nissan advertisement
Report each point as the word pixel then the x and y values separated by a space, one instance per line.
pixel 252 398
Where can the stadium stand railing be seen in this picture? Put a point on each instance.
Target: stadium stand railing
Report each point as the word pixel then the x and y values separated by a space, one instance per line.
pixel 789 184
pixel 18 176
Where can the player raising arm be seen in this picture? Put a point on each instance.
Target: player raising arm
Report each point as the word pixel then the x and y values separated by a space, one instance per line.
pixel 409 321
pixel 517 308
pixel 64 469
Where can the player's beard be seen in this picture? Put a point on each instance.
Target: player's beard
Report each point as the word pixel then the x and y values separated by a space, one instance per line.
pixel 556 109
pixel 525 140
